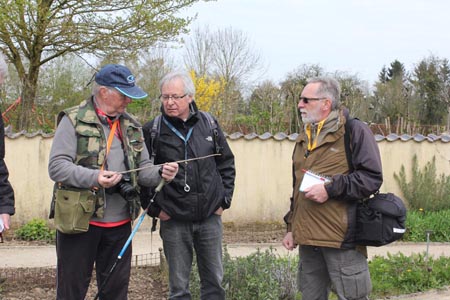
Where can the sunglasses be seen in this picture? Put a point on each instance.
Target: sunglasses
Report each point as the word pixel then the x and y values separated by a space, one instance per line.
pixel 306 100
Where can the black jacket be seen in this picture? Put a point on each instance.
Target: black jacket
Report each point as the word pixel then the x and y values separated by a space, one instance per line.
pixel 6 190
pixel 211 180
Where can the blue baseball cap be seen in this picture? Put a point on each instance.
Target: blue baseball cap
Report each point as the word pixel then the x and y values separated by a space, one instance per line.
pixel 120 78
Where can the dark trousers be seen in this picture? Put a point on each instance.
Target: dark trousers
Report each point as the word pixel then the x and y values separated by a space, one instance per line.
pixel 77 254
pixel 322 269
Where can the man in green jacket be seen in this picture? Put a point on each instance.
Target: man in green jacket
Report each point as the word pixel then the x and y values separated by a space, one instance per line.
pixel 93 144
pixel 321 219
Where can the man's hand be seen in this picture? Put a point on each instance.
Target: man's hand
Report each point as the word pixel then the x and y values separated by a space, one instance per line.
pixel 288 242
pixel 6 219
pixel 219 211
pixel 169 171
pixel 163 216
pixel 316 193
pixel 108 179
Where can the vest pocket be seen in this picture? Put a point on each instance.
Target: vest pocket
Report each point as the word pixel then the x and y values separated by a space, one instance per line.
pixel 73 210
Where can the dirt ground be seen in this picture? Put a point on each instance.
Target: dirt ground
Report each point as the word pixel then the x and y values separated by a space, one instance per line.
pixel 148 283
pixel 145 284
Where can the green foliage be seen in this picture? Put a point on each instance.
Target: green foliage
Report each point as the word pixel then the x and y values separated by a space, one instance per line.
pixel 106 29
pixel 396 70
pixel 426 190
pixel 261 275
pixel 266 109
pixel 399 274
pixel 36 230
pixel 430 80
pixel 353 94
pixel 419 222
pixel 264 275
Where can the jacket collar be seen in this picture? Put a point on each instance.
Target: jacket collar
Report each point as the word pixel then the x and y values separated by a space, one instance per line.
pixel 332 124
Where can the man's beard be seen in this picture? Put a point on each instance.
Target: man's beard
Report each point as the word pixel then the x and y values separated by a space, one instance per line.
pixel 309 118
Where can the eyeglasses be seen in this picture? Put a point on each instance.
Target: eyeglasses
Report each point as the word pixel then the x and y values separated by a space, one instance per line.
pixel 306 100
pixel 174 97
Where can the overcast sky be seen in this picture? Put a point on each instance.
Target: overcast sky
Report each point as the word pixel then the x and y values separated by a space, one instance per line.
pixel 355 36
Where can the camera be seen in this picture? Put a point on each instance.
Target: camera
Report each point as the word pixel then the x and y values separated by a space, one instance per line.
pixel 126 190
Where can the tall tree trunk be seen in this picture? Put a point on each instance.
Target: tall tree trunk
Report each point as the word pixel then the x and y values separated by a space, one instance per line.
pixel 448 120
pixel 26 120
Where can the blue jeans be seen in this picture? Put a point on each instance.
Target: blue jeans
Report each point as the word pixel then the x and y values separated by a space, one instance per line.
pixel 180 239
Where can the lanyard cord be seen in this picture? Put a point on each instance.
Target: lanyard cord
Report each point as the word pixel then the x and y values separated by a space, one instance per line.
pixel 109 143
pixel 187 188
pixel 101 113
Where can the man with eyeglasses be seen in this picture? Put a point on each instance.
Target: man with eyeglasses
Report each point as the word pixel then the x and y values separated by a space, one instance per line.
pixel 321 219
pixel 95 198
pixel 190 206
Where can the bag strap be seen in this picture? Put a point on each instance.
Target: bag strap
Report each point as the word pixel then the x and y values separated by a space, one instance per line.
pixel 215 132
pixel 347 139
pixel 154 134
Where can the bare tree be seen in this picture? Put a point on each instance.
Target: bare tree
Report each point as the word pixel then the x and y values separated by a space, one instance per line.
pixel 227 55
pixel 199 52
pixel 235 60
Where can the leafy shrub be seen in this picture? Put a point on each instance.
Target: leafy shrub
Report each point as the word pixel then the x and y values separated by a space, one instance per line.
pixel 35 230
pixel 261 275
pixel 419 222
pixel 264 275
pixel 399 274
pixel 426 190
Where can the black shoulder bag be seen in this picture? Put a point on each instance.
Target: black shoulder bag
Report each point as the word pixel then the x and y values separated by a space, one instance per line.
pixel 381 218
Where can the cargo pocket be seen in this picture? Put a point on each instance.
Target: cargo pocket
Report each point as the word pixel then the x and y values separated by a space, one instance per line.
pixel 356 281
pixel 73 210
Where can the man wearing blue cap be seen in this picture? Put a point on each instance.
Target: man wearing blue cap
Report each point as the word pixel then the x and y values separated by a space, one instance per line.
pixel 93 203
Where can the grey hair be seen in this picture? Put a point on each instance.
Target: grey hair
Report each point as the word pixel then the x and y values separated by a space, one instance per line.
pixel 95 88
pixel 3 67
pixel 329 87
pixel 189 87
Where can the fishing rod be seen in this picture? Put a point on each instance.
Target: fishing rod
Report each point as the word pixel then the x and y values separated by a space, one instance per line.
pixel 178 161
pixel 141 217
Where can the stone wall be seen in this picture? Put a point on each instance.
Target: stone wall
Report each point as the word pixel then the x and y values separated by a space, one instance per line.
pixel 263 168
